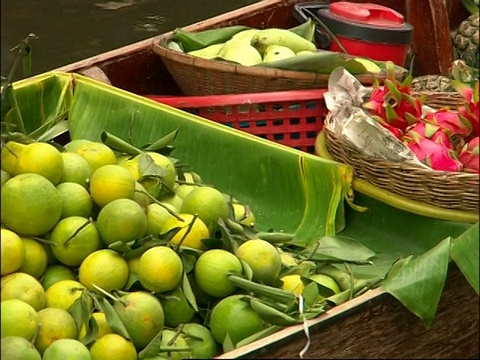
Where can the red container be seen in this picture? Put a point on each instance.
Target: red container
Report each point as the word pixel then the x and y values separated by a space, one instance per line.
pixel 292 118
pixel 368 30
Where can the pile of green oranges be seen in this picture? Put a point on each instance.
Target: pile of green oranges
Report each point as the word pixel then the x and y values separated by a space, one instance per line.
pixel 99 261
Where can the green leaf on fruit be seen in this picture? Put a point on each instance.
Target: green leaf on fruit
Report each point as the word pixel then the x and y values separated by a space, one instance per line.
pixel 164 145
pixel 310 294
pixel 338 248
pixel 80 309
pixel 113 319
pixel 91 329
pixel 188 292
pixel 228 344
pixel 247 270
pixel 153 347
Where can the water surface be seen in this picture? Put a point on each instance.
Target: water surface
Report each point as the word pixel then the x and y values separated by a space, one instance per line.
pixel 72 30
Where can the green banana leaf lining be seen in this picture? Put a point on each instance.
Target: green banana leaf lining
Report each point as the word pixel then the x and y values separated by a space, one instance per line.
pixel 289 190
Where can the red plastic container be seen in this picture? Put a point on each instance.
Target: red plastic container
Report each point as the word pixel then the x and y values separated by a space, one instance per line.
pixel 292 118
pixel 369 30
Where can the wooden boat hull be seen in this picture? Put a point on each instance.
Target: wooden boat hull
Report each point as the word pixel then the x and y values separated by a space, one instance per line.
pixel 375 325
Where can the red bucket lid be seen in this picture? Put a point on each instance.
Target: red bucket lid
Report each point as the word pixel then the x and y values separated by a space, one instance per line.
pixel 367 13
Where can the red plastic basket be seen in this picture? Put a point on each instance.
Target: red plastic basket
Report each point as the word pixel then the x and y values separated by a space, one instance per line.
pixel 292 118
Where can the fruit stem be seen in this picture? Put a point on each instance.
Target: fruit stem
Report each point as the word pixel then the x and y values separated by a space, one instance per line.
pixel 178 332
pixel 106 293
pixel 159 203
pixel 84 225
pixel 45 241
pixel 170 349
pixel 190 226
pixel 182 182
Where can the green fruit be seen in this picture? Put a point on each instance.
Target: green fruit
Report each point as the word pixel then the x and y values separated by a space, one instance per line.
pixel 67 349
pixel 234 317
pixel 273 36
pixel 208 52
pixel 18 319
pixel 200 340
pixel 178 310
pixel 369 65
pixel 277 52
pixel 18 348
pixel 239 39
pixel 172 340
pixel 143 316
pixel 245 55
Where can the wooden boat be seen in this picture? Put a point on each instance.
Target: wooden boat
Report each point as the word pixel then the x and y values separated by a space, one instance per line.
pixel 374 325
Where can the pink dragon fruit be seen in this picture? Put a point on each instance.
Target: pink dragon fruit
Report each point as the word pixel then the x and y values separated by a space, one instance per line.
pixel 452 124
pixel 469 156
pixel 470 113
pixel 426 130
pixel 392 104
pixel 436 155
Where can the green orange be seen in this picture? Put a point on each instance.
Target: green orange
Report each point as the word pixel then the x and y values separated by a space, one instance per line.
pixel 160 269
pixel 12 251
pixel 41 158
pixel 111 182
pixel 143 316
pixel 73 239
pixel 234 317
pixel 18 319
pixel 208 203
pixel 121 220
pixel 31 205
pixel 212 269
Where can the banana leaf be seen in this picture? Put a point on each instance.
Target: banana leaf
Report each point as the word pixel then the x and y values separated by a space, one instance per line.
pixel 465 252
pixel 287 189
pixel 323 62
pixel 190 41
pixel 247 167
pixel 43 105
pixel 417 282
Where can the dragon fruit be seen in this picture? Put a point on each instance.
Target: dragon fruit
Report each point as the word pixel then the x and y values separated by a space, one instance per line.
pixel 435 155
pixel 429 131
pixel 392 104
pixel 470 113
pixel 469 156
pixel 452 124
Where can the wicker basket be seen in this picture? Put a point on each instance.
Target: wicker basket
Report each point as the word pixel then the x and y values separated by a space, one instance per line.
pixel 198 76
pixel 457 191
pixel 438 100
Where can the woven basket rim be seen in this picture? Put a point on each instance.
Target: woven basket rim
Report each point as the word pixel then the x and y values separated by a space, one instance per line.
pixel 439 93
pixel 450 190
pixel 260 72
pixel 379 162
pixel 400 166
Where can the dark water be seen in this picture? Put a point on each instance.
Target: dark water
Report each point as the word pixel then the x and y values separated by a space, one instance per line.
pixel 72 30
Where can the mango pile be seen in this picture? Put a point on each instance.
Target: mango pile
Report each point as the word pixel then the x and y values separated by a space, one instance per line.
pixel 115 255
pixel 288 49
